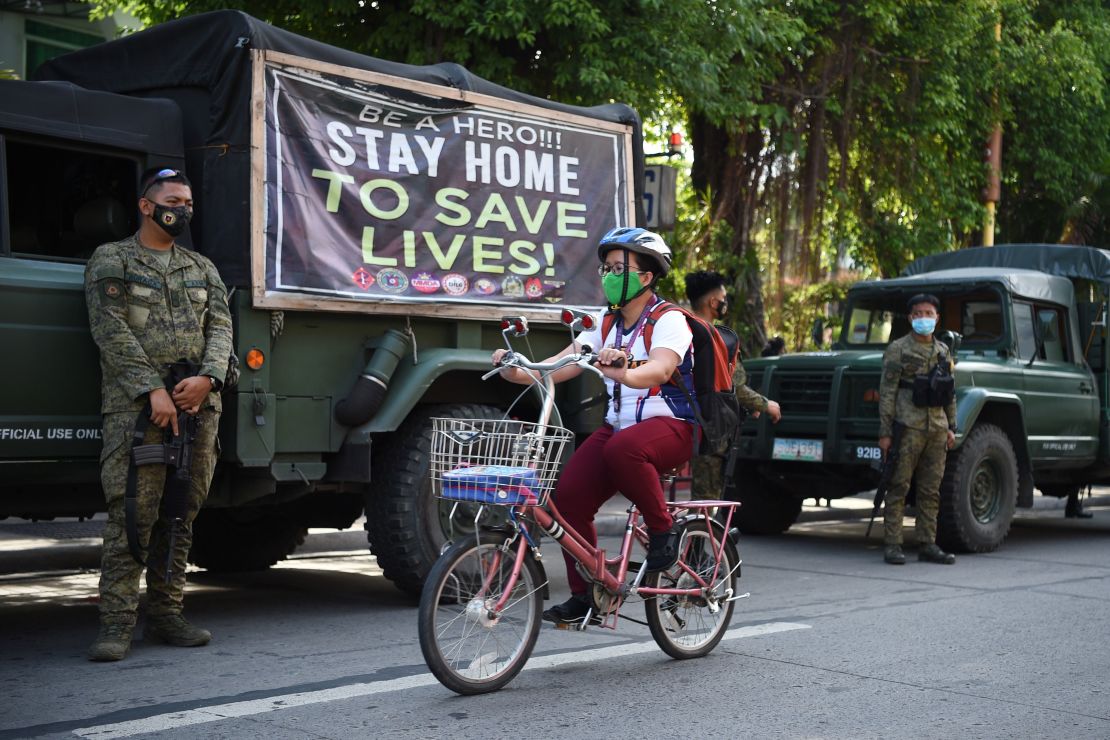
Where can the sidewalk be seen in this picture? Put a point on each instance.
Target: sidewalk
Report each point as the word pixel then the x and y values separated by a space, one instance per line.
pixel 35 547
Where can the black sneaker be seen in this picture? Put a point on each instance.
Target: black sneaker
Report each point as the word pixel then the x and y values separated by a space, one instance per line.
pixel 663 549
pixel 572 611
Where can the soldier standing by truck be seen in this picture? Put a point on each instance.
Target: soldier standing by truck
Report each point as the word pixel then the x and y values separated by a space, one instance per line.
pixel 152 303
pixel 917 392
pixel 708 300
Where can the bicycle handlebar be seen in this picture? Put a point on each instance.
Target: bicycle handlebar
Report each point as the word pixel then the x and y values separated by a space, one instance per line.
pixel 584 359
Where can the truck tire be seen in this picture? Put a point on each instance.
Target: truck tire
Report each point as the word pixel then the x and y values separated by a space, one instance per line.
pixel 230 540
pixel 765 508
pixel 406 526
pixel 978 493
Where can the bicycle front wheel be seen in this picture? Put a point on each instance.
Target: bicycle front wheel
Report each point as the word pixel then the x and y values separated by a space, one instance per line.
pixel 470 648
pixel 691 626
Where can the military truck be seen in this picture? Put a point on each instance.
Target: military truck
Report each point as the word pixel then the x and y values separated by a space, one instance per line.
pixel 1028 326
pixel 373 222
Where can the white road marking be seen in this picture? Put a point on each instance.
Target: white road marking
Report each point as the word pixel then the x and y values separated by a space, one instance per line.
pixel 217 712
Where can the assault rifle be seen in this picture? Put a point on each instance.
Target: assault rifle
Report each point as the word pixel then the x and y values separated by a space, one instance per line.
pixel 890 462
pixel 176 453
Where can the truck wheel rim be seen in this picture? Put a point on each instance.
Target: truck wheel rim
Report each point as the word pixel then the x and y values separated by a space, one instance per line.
pixel 986 494
pixel 463 522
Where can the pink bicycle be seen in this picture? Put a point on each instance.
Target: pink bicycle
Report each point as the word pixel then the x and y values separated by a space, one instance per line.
pixel 481 607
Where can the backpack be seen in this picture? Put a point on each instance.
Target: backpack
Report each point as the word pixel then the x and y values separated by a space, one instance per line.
pixel 716 408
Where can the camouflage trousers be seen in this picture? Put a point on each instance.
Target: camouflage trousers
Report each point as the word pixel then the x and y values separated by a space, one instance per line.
pixel 119 573
pixel 708 472
pixel 921 460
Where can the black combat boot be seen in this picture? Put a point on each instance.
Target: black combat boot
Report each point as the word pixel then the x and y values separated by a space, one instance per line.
pixel 173 629
pixel 893 554
pixel 930 553
pixel 1074 508
pixel 113 642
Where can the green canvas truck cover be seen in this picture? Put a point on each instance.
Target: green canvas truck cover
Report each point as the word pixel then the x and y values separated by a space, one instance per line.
pixel 1069 261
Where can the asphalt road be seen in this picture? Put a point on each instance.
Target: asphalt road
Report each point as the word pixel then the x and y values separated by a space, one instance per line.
pixel 831 643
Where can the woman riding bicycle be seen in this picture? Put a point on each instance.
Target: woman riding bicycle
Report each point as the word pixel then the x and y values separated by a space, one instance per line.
pixel 649 425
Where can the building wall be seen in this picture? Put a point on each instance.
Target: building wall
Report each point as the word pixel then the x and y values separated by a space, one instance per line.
pixel 32 37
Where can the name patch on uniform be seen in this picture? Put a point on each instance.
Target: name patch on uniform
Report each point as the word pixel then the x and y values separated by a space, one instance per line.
pixel 144 280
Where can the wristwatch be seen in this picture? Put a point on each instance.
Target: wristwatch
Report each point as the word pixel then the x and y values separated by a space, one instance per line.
pixel 215 383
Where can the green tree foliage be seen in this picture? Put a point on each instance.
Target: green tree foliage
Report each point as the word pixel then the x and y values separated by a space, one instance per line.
pixel 829 137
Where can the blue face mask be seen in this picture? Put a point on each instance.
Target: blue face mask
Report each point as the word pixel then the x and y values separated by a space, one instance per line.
pixel 924 326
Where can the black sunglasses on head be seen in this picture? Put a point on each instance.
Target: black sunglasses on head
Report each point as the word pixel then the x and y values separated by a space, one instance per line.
pixel 159 176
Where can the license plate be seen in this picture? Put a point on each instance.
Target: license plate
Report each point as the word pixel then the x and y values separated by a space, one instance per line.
pixel 810 450
pixel 866 452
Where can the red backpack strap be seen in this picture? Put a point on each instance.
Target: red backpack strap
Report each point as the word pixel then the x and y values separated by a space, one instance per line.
pixel 657 312
pixel 607 322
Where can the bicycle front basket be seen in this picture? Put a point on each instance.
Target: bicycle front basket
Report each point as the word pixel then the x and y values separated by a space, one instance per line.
pixel 496 461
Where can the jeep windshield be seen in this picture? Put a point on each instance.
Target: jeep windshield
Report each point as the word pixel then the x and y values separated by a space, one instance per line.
pixel 873 319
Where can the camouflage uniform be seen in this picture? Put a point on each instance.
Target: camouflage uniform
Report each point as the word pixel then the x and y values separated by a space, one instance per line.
pixel 708 470
pixel 924 440
pixel 144 316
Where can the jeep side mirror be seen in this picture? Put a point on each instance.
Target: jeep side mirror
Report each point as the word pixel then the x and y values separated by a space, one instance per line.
pixel 951 339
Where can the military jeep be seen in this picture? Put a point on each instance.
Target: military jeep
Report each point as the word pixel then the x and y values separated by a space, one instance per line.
pixel 1027 325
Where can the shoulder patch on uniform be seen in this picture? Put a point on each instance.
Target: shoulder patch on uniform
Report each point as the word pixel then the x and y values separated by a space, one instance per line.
pixel 112 288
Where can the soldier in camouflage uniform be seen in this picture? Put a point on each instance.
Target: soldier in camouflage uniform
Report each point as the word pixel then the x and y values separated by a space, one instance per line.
pixel 928 433
pixel 706 292
pixel 152 302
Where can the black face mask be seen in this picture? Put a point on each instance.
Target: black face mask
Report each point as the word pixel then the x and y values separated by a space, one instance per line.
pixel 722 308
pixel 172 219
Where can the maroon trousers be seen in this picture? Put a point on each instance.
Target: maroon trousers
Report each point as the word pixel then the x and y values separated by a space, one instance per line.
pixel 629 461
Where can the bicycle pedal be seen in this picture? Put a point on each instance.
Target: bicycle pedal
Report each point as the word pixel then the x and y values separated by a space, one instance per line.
pixel 572 626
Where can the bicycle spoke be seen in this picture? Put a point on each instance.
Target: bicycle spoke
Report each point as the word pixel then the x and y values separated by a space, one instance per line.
pixel 688 625
pixel 468 642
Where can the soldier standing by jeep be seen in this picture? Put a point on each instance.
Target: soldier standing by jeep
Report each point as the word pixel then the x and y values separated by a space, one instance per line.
pixel 917 392
pixel 151 303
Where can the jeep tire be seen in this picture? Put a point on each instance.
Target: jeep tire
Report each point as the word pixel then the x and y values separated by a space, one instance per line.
pixel 765 507
pixel 978 493
pixel 250 538
pixel 406 526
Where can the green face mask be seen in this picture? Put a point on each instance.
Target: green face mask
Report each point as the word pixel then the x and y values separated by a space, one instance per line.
pixel 613 285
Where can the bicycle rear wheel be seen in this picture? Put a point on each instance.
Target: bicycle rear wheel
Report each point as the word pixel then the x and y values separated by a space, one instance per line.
pixel 468 648
pixel 691 626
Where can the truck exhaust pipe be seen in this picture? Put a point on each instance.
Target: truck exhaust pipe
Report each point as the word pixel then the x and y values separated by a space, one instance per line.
pixel 368 394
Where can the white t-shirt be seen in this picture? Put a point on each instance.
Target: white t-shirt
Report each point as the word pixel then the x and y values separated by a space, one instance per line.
pixel 636 404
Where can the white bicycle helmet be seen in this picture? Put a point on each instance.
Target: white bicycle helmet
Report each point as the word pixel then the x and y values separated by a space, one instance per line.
pixel 640 241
